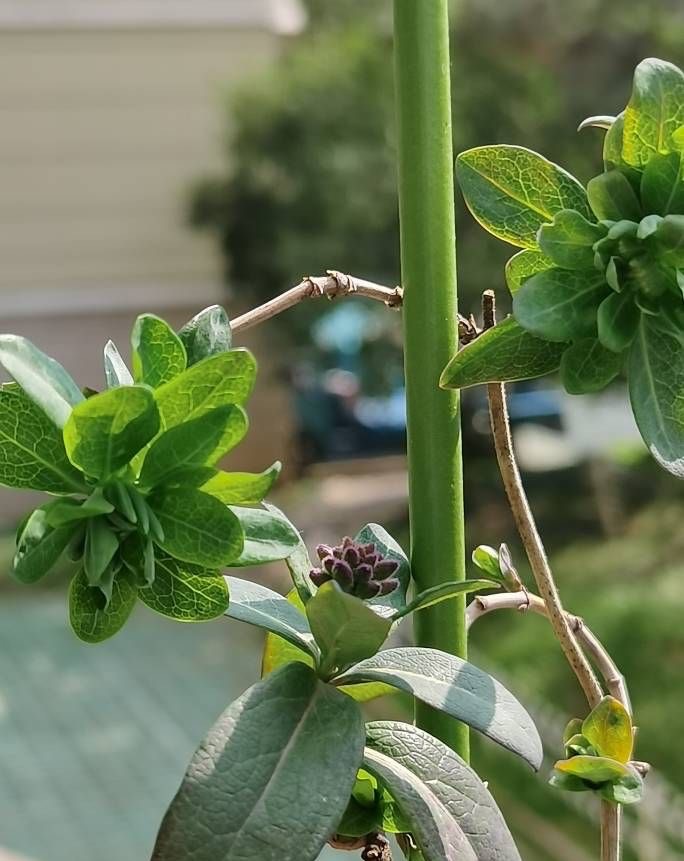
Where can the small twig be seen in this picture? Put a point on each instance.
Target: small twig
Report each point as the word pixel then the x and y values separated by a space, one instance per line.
pixel 524 601
pixel 527 529
pixel 331 285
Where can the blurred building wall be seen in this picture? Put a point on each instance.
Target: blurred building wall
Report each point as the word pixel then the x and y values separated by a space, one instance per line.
pixel 109 111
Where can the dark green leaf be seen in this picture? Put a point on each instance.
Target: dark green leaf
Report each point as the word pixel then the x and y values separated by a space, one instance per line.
pixel 101 544
pixel 595 769
pixel 436 831
pixel 185 592
pixel 457 688
pixel 587 366
pixel 269 536
pixel 662 186
pixel 197 442
pixel 271 779
pixel 242 488
pixel 116 372
pixel 627 790
pixel 617 318
pixel 387 547
pixel 612 197
pixel 43 379
pixel 512 191
pixel 569 783
pixel 346 628
pixel 455 785
pixel 654 112
pixel 568 241
pixel 39 547
pixel 670 239
pixel 256 605
pixel 32 453
pixel 500 354
pixel 609 729
pixel 197 528
pixel 443 592
pixel 158 353
pixel 656 383
pixel 560 304
pixel 70 510
pixel 207 334
pixel 524 264
pixel 91 620
pixel 105 432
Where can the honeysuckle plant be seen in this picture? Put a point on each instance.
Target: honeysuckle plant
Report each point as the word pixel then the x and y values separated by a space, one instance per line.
pixel 142 509
pixel 598 289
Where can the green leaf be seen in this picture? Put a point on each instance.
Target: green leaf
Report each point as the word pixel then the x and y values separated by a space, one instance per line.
pixel 568 782
pixel 187 593
pixel 587 366
pixel 43 379
pixel 346 628
pixel 511 191
pixel 670 239
pixel 192 443
pixel 662 185
pixel 573 727
pixel 278 651
pixel 560 304
pixel 116 372
pixel 207 334
pixel 457 688
pixel 455 785
pixel 523 265
pixel 612 197
pixel 609 729
pixel 612 144
pixel 256 605
pixel 436 831
pixel 39 547
pixel 443 592
pixel 656 382
pixel 654 112
pixel 70 510
pixel 373 533
pixel 226 378
pixel 627 790
pixel 101 544
pixel 158 353
pixel 618 319
pixel 595 769
pixel 500 354
pixel 242 488
pixel 272 778
pixel 197 528
pixel 269 536
pixel 568 241
pixel 91 620
pixel 32 453
pixel 487 559
pixel 105 432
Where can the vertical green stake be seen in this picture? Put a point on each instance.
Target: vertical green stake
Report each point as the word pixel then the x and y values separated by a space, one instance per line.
pixel 428 266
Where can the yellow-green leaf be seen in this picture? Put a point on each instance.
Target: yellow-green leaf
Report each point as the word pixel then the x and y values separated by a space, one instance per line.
pixel 609 729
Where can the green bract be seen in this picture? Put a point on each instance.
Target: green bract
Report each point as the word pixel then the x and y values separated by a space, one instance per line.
pixel 599 287
pixel 142 508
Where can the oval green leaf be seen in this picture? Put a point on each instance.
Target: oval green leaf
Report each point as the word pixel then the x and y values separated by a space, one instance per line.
pixel 157 352
pixel 569 239
pixel 236 800
pixel 268 536
pixel 386 546
pixel 207 334
pixel 458 688
pixel 655 111
pixel 454 784
pixel 185 592
pixel 523 265
pixel 39 547
pixel 617 319
pixel 116 372
pixel 104 433
pixel 609 729
pixel 90 619
pixel 242 488
pixel 503 353
pixel 511 191
pixel 587 366
pixel 197 528
pixel 595 769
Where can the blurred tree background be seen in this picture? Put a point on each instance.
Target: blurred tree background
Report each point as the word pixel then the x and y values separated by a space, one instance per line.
pixel 310 184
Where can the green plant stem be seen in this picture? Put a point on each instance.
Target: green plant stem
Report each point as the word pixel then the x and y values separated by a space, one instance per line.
pixel 428 265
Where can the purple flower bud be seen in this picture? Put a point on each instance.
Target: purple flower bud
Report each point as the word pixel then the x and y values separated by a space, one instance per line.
pixel 329 564
pixel 385 568
pixel 363 574
pixel 323 550
pixel 351 556
pixel 343 575
pixel 388 586
pixel 318 577
pixel 370 590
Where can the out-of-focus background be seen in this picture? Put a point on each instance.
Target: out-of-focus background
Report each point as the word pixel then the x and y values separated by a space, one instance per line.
pixel 163 155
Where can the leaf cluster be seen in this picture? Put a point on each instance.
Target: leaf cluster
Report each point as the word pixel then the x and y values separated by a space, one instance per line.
pixel 142 507
pixel 598 288
pixel 598 752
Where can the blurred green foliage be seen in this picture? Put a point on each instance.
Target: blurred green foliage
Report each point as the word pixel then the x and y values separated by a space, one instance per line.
pixel 310 179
